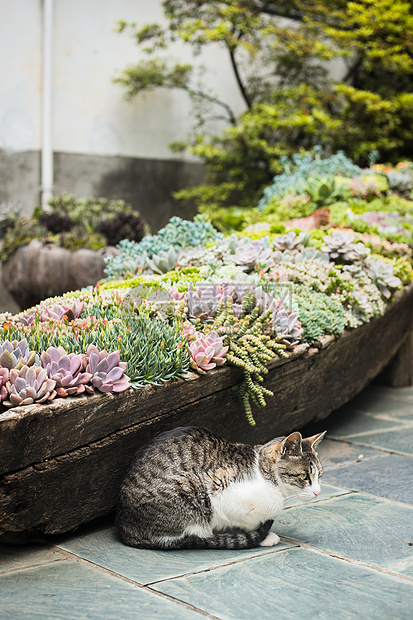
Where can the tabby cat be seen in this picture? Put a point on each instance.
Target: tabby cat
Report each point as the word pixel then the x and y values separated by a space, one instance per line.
pixel 189 488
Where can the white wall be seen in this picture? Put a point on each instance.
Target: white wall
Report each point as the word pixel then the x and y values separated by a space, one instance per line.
pixel 20 74
pixel 90 115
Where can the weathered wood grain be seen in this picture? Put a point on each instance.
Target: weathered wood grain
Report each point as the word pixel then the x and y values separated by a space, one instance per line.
pixel 62 464
pixel 34 433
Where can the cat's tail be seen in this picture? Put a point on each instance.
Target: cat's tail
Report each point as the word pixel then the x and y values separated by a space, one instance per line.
pixel 229 540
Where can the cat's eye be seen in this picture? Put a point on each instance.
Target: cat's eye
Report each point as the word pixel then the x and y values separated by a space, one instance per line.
pixel 304 476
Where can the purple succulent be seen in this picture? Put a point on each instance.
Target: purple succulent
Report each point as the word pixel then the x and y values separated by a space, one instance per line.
pixel 66 370
pixel 207 352
pixel 204 301
pixel 16 354
pixel 4 377
pixel 190 332
pixel 56 313
pixel 29 385
pixel 108 372
pixel 252 255
pixel 340 248
pixel 173 293
pixel 291 241
pixel 286 325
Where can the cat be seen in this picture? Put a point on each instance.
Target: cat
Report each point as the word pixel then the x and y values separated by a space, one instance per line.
pixel 189 488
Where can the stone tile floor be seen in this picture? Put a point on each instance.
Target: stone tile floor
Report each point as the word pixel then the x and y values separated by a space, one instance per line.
pixel 349 554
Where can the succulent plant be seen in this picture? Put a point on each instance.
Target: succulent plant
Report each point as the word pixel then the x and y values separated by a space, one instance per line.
pixel 324 190
pixel 56 222
pixel 382 275
pixel 124 225
pixel 66 370
pixel 207 352
pixel 400 181
pixel 4 377
pixel 174 294
pixel 56 312
pixel 203 301
pixel 190 332
pixel 304 166
pixel 108 372
pixel 310 253
pixel 286 325
pixel 177 234
pixel 29 385
pixel 387 222
pixel 365 187
pixel 15 354
pixel 252 255
pixel 163 262
pixel 341 249
pixel 10 214
pixel 249 348
pixel 291 241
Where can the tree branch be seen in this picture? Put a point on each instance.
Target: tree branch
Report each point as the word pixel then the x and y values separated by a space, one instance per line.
pixel 199 93
pixel 290 13
pixel 240 83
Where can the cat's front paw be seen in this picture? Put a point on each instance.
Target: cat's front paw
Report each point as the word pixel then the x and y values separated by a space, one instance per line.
pixel 270 541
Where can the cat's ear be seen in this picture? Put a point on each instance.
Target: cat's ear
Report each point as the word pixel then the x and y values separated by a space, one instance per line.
pixel 291 445
pixel 313 441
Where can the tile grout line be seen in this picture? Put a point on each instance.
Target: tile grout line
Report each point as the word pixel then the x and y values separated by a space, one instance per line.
pixel 379 432
pixel 351 441
pixel 344 558
pixel 19 568
pixel 142 586
pixel 322 499
pixel 351 463
pixel 348 491
pixel 184 604
pixel 264 553
pixel 387 416
pixel 402 562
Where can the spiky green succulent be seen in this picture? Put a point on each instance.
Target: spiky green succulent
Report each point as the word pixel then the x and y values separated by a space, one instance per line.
pixel 324 190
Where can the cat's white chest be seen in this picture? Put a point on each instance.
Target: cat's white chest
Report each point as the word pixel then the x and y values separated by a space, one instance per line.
pixel 246 504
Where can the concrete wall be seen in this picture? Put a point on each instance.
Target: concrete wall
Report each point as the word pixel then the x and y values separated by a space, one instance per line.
pixel 103 145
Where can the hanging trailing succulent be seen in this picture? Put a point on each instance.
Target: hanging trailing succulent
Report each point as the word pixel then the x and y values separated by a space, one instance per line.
pixel 251 342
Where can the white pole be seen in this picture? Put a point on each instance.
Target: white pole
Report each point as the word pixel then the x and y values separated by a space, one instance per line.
pixel 46 187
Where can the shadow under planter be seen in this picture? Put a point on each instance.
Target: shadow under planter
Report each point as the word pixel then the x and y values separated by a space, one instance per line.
pixel 61 464
pixel 40 270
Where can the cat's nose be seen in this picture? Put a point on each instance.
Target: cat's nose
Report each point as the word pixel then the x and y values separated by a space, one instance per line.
pixel 316 492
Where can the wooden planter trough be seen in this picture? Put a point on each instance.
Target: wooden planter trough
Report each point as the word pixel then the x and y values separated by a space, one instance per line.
pixel 61 464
